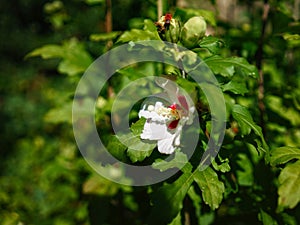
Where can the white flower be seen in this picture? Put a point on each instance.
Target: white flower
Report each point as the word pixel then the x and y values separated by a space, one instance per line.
pixel 164 124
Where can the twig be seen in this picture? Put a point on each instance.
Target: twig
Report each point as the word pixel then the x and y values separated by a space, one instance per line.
pixel 159 8
pixel 108 29
pixel 259 59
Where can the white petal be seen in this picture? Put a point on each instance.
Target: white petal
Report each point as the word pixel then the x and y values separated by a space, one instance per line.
pixel 166 145
pixel 154 131
pixel 176 141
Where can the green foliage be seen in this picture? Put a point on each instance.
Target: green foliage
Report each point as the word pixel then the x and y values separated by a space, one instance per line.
pixel 288 190
pixel 212 189
pixel 169 199
pixel 283 155
pixel 266 218
pixel 179 160
pixel 228 66
pixel 289 177
pixel 75 59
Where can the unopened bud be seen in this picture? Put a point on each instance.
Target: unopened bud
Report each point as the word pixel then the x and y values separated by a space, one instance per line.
pixel 193 31
pixel 173 33
pixel 168 28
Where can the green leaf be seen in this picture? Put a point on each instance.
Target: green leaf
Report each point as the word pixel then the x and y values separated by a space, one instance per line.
pixel 94 2
pixel 178 161
pixel 137 150
pixel 289 37
pixel 177 220
pixel 293 40
pixel 137 127
pixel 104 36
pixel 283 155
pixel 211 43
pixel 196 199
pixel 117 149
pixel 235 87
pixel 266 219
pixel 212 189
pixel 98 185
pixel 223 166
pixel 149 25
pixel 75 59
pixel 168 199
pixel 60 114
pixel 226 66
pixel 245 121
pixel 47 52
pixel 244 172
pixel 148 33
pixel 289 186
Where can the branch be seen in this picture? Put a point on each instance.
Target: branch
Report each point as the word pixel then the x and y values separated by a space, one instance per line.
pixel 159 8
pixel 259 62
pixel 108 29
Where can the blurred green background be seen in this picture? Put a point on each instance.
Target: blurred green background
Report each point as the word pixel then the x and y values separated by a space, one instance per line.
pixel 43 179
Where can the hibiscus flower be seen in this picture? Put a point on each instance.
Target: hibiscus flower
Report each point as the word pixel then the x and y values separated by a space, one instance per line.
pixel 164 124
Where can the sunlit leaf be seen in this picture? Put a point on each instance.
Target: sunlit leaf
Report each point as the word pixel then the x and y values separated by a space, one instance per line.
pixel 266 219
pixel 283 155
pixel 223 166
pixel 117 149
pixel 137 35
pixel 245 121
pixel 104 36
pixel 177 220
pixel 289 186
pixel 178 161
pixel 96 185
pixel 94 2
pixel 212 189
pixel 137 150
pixel 211 43
pixel 235 87
pixel 148 33
pixel 226 66
pixel 47 52
pixel 137 127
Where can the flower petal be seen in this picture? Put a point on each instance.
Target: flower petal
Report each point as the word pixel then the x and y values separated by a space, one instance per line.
pixel 173 124
pixel 166 146
pixel 154 131
pixel 183 102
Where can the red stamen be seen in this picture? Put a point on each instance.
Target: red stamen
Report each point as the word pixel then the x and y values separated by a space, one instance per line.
pixel 173 106
pixel 168 17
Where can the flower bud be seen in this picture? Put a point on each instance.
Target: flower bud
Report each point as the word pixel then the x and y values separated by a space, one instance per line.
pixel 173 33
pixel 193 31
pixel 168 28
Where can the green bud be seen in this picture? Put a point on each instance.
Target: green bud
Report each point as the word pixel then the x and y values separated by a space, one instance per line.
pixel 172 34
pixel 168 28
pixel 193 31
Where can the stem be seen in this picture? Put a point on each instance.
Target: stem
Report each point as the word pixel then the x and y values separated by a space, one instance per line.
pixel 108 29
pixel 296 9
pixel 159 9
pixel 259 62
pixel 108 21
pixel 179 63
